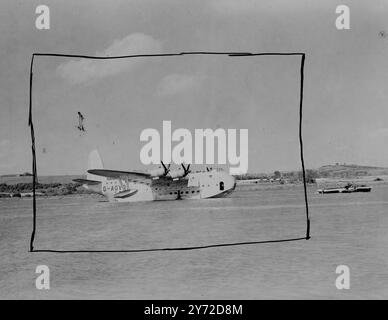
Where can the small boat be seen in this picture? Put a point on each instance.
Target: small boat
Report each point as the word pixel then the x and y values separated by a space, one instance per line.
pixel 332 190
pixel 349 188
pixel 363 188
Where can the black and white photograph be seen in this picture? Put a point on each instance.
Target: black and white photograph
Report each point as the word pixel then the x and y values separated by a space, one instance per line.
pixel 216 150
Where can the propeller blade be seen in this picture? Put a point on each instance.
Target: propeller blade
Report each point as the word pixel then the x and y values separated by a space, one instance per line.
pixel 166 169
pixel 186 170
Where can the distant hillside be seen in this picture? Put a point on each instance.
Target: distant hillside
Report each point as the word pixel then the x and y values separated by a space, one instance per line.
pixel 19 186
pixel 349 171
pixel 328 171
pixel 9 179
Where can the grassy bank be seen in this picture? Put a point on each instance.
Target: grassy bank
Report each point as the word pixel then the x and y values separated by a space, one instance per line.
pixel 42 189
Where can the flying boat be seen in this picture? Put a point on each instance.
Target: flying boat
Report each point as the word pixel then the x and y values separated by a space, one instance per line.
pixel 162 183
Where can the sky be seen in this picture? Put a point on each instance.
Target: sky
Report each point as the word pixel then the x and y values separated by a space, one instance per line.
pixel 345 93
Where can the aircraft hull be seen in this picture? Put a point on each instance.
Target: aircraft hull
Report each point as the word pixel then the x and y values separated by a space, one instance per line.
pixel 197 186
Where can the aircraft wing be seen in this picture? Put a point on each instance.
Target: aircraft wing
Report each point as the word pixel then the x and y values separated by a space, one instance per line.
pixel 86 181
pixel 119 174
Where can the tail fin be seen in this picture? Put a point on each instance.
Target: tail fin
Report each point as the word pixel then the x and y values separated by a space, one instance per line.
pixel 94 162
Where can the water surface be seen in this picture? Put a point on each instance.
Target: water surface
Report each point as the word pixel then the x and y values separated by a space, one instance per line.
pixel 350 229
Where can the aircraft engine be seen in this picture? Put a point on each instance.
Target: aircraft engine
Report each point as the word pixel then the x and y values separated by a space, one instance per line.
pixel 160 172
pixel 157 172
pixel 177 174
pixel 180 173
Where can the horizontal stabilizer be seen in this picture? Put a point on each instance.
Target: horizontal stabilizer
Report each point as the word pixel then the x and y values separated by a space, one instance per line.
pixel 125 194
pixel 86 181
pixel 119 174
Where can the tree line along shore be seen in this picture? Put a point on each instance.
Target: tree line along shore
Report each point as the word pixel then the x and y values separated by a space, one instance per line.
pixel 24 189
pixel 21 185
pixel 41 189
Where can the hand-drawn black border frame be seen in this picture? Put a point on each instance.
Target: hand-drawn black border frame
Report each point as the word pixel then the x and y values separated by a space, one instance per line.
pixel 231 54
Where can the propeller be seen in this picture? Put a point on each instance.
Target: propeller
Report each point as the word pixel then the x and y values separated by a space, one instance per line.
pixel 166 169
pixel 186 170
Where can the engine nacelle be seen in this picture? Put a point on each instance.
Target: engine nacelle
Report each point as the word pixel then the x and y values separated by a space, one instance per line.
pixel 157 172
pixel 177 174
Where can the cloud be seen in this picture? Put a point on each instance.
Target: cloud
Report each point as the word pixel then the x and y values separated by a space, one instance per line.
pixel 4 143
pixel 85 70
pixel 238 7
pixel 235 6
pixel 177 83
pixel 379 133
